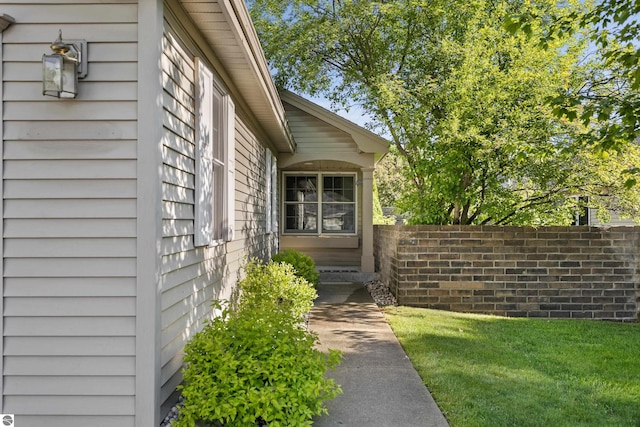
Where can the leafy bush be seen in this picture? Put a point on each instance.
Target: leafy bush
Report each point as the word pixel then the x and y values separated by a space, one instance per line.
pixel 303 264
pixel 275 287
pixel 254 362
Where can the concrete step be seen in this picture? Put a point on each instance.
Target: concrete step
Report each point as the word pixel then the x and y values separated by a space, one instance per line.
pixel 344 274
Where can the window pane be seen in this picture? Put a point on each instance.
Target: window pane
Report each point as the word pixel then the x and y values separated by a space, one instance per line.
pixel 218 201
pixel 301 203
pixel 301 189
pixel 302 213
pixel 338 218
pixel 216 129
pixel 301 217
pixel 338 189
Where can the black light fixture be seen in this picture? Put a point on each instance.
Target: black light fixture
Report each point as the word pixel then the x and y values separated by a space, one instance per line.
pixel 62 69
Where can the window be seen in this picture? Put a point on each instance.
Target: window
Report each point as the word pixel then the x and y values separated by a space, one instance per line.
pixel 320 203
pixel 215 165
pixel 582 216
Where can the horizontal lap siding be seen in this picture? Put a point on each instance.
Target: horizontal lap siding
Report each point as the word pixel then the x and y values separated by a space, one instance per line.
pixel 315 136
pixel 614 220
pixel 70 219
pixel 251 196
pixel 193 277
pixel 183 292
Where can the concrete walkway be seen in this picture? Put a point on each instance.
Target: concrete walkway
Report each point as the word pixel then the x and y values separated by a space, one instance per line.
pixel 381 387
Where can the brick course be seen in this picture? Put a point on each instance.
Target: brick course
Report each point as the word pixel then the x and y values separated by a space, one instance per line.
pixel 550 272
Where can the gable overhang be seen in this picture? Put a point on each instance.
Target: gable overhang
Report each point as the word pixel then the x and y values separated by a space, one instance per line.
pixel 228 29
pixel 367 141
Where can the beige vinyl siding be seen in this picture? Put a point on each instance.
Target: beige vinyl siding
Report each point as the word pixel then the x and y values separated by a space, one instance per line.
pixel 251 239
pixel 183 290
pixel 251 194
pixel 315 136
pixel 614 220
pixel 70 220
pixel 193 277
pixel 250 189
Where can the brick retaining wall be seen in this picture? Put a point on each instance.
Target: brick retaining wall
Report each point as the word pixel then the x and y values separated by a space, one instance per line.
pixel 552 272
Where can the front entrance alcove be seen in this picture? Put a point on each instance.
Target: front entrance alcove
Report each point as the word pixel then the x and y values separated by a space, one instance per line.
pixel 326 191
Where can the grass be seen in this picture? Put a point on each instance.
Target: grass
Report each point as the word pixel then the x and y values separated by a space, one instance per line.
pixel 494 371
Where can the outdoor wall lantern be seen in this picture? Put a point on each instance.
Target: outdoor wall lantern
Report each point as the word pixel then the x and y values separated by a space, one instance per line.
pixel 62 69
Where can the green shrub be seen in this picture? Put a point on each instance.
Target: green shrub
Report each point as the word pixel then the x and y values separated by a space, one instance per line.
pixel 303 264
pixel 255 362
pixel 275 287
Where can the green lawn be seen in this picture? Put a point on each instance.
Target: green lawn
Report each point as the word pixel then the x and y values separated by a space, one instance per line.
pixel 494 371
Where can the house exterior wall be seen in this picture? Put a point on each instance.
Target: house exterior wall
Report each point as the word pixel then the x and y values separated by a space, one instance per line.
pixel 614 220
pixel 252 239
pixel 102 285
pixel 69 216
pixel 192 277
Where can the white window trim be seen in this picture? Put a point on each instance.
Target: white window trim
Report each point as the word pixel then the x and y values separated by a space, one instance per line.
pixel 271 196
pixel 229 140
pixel 274 193
pixel 207 213
pixel 319 176
pixel 203 221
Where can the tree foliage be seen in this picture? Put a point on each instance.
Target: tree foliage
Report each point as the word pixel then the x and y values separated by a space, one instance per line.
pixel 389 178
pixel 461 97
pixel 608 101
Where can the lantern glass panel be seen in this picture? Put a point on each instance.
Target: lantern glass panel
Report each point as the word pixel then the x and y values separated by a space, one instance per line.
pixel 69 79
pixel 52 66
pixel 59 76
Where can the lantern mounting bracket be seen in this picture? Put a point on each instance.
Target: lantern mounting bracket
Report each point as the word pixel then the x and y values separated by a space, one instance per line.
pixel 74 49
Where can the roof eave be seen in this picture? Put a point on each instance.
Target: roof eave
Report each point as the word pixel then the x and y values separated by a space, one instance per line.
pixel 245 63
